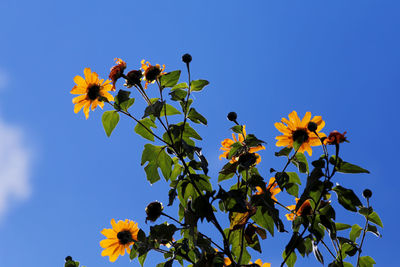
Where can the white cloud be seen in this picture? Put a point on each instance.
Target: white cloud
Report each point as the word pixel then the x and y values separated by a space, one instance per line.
pixel 14 167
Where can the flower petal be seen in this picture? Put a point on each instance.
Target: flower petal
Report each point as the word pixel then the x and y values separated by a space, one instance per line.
pixel 306 119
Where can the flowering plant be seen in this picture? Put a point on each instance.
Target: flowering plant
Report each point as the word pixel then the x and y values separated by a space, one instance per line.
pixel 252 205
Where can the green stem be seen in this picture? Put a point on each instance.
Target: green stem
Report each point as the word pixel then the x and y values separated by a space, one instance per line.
pixel 363 237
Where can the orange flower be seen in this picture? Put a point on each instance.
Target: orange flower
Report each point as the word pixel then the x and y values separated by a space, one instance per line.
pixel 90 90
pixel 151 72
pixel 227 143
pixel 117 71
pixel 305 209
pixel 272 187
pixel 119 238
pixel 296 129
pixel 335 138
pixel 259 263
pixel 227 262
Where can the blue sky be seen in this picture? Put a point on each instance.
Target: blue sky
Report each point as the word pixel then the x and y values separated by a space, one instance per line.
pixel 62 179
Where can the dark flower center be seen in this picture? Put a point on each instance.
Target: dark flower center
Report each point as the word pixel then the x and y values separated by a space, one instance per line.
pixel 300 135
pixel 93 92
pixel 152 73
pixel 124 237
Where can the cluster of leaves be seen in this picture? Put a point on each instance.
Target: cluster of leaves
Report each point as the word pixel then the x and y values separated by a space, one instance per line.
pixel 176 156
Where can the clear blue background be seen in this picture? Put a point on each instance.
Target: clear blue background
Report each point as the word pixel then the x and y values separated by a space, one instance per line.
pixel 339 59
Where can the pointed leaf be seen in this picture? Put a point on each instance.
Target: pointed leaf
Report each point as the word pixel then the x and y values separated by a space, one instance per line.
pixel 110 120
pixel 141 130
pixel 170 79
pixel 198 85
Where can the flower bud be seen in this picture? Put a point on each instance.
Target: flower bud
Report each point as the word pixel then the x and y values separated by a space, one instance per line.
pixel 154 210
pixel 312 126
pixel 367 193
pixel 187 58
pixel 68 258
pixel 133 78
pixel 232 116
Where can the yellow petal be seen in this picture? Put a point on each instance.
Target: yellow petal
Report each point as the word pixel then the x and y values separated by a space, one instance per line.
pixel 109 233
pixel 105 243
pixel 282 128
pixel 294 118
pixel 284 143
pixel 306 119
pixel 88 75
pixel 78 99
pixel 86 109
pixel 114 255
pixel 94 104
pixel 289 124
pixel 80 81
pixel 78 90
pixel 79 106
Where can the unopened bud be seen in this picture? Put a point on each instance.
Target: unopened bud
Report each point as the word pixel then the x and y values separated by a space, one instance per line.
pixel 154 210
pixel 312 126
pixel 367 193
pixel 232 116
pixel 187 58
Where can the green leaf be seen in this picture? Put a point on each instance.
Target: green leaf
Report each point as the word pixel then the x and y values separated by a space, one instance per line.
pixel 291 260
pixel 347 198
pixel 196 117
pixel 366 261
pixel 170 79
pixel 152 172
pixel 178 95
pixel 237 129
pixel 235 240
pixel 317 253
pixel 300 161
pixel 284 152
pixel 157 158
pixel 198 85
pixel 190 132
pixel 110 120
pixel 142 258
pixel 365 211
pixel 122 96
pixel 235 149
pixel 141 130
pixel 342 226
pixel 293 177
pixel 170 110
pixel 154 108
pixel 355 232
pixel 127 104
pixel 374 230
pixel 263 219
pixel 180 86
pixel 345 167
pixel 373 217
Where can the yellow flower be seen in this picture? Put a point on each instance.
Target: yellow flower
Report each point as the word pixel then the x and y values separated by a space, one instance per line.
pixel 151 72
pixel 305 209
pixel 227 262
pixel 259 263
pixel 119 238
pixel 90 89
pixel 227 143
pixel 297 129
pixel 272 187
